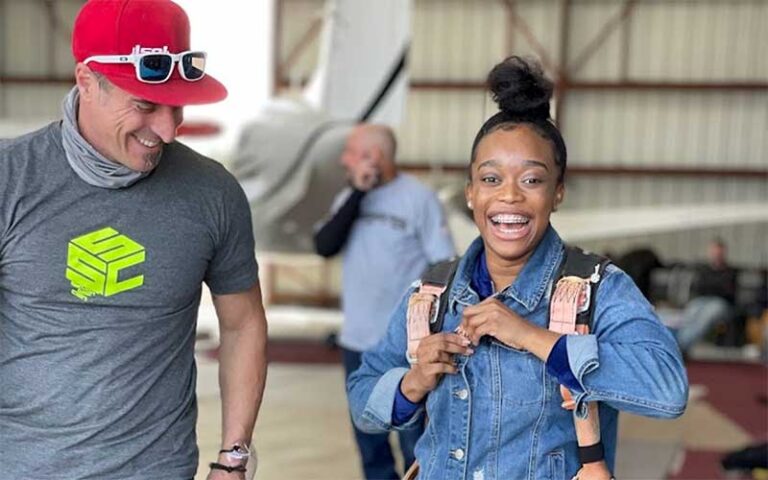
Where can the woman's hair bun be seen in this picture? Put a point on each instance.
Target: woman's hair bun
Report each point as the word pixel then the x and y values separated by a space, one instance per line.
pixel 519 87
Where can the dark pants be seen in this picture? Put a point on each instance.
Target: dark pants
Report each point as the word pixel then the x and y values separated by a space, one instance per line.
pixel 378 462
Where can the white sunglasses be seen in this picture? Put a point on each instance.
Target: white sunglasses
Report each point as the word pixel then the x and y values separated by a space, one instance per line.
pixel 158 67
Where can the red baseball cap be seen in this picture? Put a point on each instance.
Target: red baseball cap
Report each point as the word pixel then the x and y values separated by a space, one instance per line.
pixel 117 27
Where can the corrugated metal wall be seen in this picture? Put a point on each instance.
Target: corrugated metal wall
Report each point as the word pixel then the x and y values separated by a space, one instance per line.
pixel 457 41
pixel 35 45
pixel 694 108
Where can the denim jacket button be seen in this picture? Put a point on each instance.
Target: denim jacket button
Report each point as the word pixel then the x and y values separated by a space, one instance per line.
pixel 458 454
pixel 462 394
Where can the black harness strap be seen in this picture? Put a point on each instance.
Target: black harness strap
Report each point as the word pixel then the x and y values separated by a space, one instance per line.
pixel 440 274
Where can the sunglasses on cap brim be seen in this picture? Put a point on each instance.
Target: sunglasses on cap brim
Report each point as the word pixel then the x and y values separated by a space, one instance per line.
pixel 158 67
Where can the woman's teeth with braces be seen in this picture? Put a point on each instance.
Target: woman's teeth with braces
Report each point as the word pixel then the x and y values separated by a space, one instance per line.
pixel 509 219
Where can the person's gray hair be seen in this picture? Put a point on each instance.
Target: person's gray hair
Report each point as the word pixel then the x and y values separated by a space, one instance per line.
pixel 104 83
pixel 384 137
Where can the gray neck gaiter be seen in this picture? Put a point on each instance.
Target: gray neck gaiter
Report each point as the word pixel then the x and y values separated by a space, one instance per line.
pixel 94 168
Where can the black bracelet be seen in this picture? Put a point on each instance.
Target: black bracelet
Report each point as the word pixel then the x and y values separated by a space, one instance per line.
pixel 227 468
pixel 592 453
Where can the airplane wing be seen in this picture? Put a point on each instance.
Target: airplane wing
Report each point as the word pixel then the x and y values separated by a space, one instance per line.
pixel 616 223
pixel 583 225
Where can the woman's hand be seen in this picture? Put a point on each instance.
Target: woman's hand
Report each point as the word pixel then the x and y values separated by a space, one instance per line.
pixel 434 358
pixel 491 317
pixel 594 471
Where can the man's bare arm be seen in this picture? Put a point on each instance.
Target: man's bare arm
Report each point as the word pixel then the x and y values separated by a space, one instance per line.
pixel 242 363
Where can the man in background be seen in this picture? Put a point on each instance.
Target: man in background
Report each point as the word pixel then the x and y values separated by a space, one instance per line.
pixel 714 293
pixel 389 227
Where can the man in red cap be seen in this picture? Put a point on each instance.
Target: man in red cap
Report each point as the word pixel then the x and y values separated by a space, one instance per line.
pixel 108 227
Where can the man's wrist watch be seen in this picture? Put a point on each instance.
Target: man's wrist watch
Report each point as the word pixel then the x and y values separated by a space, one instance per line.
pixel 237 453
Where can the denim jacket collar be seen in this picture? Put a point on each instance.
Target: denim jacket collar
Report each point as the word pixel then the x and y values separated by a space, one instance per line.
pixel 528 288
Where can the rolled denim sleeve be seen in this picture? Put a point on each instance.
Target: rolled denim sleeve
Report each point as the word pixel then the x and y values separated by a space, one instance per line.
pixel 630 361
pixel 372 388
pixel 559 366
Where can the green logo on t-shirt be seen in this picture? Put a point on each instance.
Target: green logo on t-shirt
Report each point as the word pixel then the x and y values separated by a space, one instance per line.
pixel 94 262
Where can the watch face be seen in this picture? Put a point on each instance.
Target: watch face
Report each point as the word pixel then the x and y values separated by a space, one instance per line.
pixel 239 451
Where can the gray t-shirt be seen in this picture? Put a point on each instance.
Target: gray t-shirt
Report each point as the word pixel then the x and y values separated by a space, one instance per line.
pixel 401 228
pixel 99 291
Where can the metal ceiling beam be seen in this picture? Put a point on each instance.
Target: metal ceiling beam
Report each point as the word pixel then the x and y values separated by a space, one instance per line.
pixel 745 86
pixel 614 171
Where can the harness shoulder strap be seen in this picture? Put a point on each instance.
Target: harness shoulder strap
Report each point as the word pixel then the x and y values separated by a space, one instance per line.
pixel 587 266
pixel 572 307
pixel 426 307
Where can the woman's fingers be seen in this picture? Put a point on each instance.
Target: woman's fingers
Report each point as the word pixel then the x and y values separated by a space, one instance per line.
pixel 438 356
pixel 475 327
pixel 446 342
pixel 436 369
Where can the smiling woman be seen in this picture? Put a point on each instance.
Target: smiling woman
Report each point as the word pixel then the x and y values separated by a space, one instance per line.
pixel 513 189
pixel 517 169
pixel 490 380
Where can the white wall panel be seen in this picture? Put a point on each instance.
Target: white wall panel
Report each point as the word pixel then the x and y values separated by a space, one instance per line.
pixel 32 102
pixel 702 40
pixel 456 40
pixel 298 16
pixel 25 39
pixel 431 134
pixel 65 12
pixel 696 129
pixel 621 191
pixel 31 47
pixel 588 21
pixel 543 18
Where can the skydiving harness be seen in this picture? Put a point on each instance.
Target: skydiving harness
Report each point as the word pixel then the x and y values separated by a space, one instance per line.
pixel 571 311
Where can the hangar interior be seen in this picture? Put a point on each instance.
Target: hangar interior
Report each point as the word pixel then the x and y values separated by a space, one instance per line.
pixel 662 103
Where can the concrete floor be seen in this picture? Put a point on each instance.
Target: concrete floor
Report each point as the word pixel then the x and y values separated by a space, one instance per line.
pixel 303 431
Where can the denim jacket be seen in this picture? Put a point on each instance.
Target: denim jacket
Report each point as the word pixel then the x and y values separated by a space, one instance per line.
pixel 500 417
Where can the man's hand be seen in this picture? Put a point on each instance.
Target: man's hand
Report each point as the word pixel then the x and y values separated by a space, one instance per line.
pixel 224 475
pixel 434 359
pixel 364 176
pixel 225 459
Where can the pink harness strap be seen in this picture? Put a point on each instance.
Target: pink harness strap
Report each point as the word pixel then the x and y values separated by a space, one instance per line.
pixel 422 308
pixel 571 296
